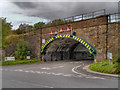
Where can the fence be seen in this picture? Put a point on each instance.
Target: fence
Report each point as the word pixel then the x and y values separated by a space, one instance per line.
pixel 114 17
pixel 82 16
pixel 85 15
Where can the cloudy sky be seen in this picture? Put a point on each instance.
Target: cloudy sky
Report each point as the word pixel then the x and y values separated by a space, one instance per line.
pixel 32 12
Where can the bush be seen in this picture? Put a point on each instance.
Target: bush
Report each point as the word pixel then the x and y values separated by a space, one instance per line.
pixel 22 49
pixel 105 67
pixel 117 64
pixel 117 60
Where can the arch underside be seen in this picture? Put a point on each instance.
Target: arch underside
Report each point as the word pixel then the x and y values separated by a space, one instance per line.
pixel 66 49
pixel 77 39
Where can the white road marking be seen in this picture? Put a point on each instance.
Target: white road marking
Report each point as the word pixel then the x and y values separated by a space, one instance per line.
pixel 20 70
pixel 32 71
pixel 58 67
pixel 75 62
pixel 92 77
pixel 68 75
pixel 53 73
pixel 86 76
pixel 38 72
pixel 46 68
pixel 16 70
pixel 57 74
pixel 26 71
pixel 73 70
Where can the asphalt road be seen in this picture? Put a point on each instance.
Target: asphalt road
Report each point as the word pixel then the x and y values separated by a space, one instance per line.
pixel 57 74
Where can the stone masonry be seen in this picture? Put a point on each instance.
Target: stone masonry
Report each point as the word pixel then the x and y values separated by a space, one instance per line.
pixel 96 31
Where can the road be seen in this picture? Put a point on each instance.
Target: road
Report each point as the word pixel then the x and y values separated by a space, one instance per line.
pixel 57 74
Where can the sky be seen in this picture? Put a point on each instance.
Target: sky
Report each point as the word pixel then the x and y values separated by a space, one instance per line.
pixel 30 12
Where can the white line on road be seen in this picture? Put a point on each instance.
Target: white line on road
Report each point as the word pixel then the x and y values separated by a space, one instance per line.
pixel 46 68
pixel 95 77
pixel 20 70
pixel 38 72
pixel 73 70
pixel 75 62
pixel 58 74
pixel 68 75
pixel 26 71
pixel 86 76
pixel 16 70
pixel 32 71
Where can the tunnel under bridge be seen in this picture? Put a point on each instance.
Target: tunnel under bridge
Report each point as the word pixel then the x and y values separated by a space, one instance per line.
pixel 67 47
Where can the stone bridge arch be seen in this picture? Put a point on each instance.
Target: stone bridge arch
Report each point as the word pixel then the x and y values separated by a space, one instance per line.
pixel 67 43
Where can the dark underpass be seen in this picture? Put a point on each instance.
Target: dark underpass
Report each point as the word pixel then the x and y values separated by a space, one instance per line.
pixel 66 49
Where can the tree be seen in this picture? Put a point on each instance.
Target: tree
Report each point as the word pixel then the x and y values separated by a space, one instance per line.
pixel 57 22
pixel 22 49
pixel 39 25
pixel 6 27
pixel 24 28
pixel 5 30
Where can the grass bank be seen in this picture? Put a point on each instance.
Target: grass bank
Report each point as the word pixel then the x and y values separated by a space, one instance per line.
pixel 105 67
pixel 12 38
pixel 3 63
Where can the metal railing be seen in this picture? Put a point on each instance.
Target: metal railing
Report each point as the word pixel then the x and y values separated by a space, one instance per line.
pixel 114 17
pixel 82 16
pixel 86 15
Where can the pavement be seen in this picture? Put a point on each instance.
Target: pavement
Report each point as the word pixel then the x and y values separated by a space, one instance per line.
pixel 56 74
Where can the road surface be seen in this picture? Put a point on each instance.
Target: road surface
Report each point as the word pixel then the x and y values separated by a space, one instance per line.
pixel 57 74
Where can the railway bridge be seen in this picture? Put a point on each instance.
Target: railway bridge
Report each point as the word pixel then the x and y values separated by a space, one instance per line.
pixel 87 36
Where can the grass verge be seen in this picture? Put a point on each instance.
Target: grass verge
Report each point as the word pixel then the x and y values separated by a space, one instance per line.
pixel 3 63
pixel 12 38
pixel 105 67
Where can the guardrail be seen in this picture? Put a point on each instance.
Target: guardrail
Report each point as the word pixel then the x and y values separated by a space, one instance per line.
pixel 82 16
pixel 86 15
pixel 114 17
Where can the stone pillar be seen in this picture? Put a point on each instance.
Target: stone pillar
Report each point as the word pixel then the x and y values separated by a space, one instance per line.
pixel 102 41
pixel 39 44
